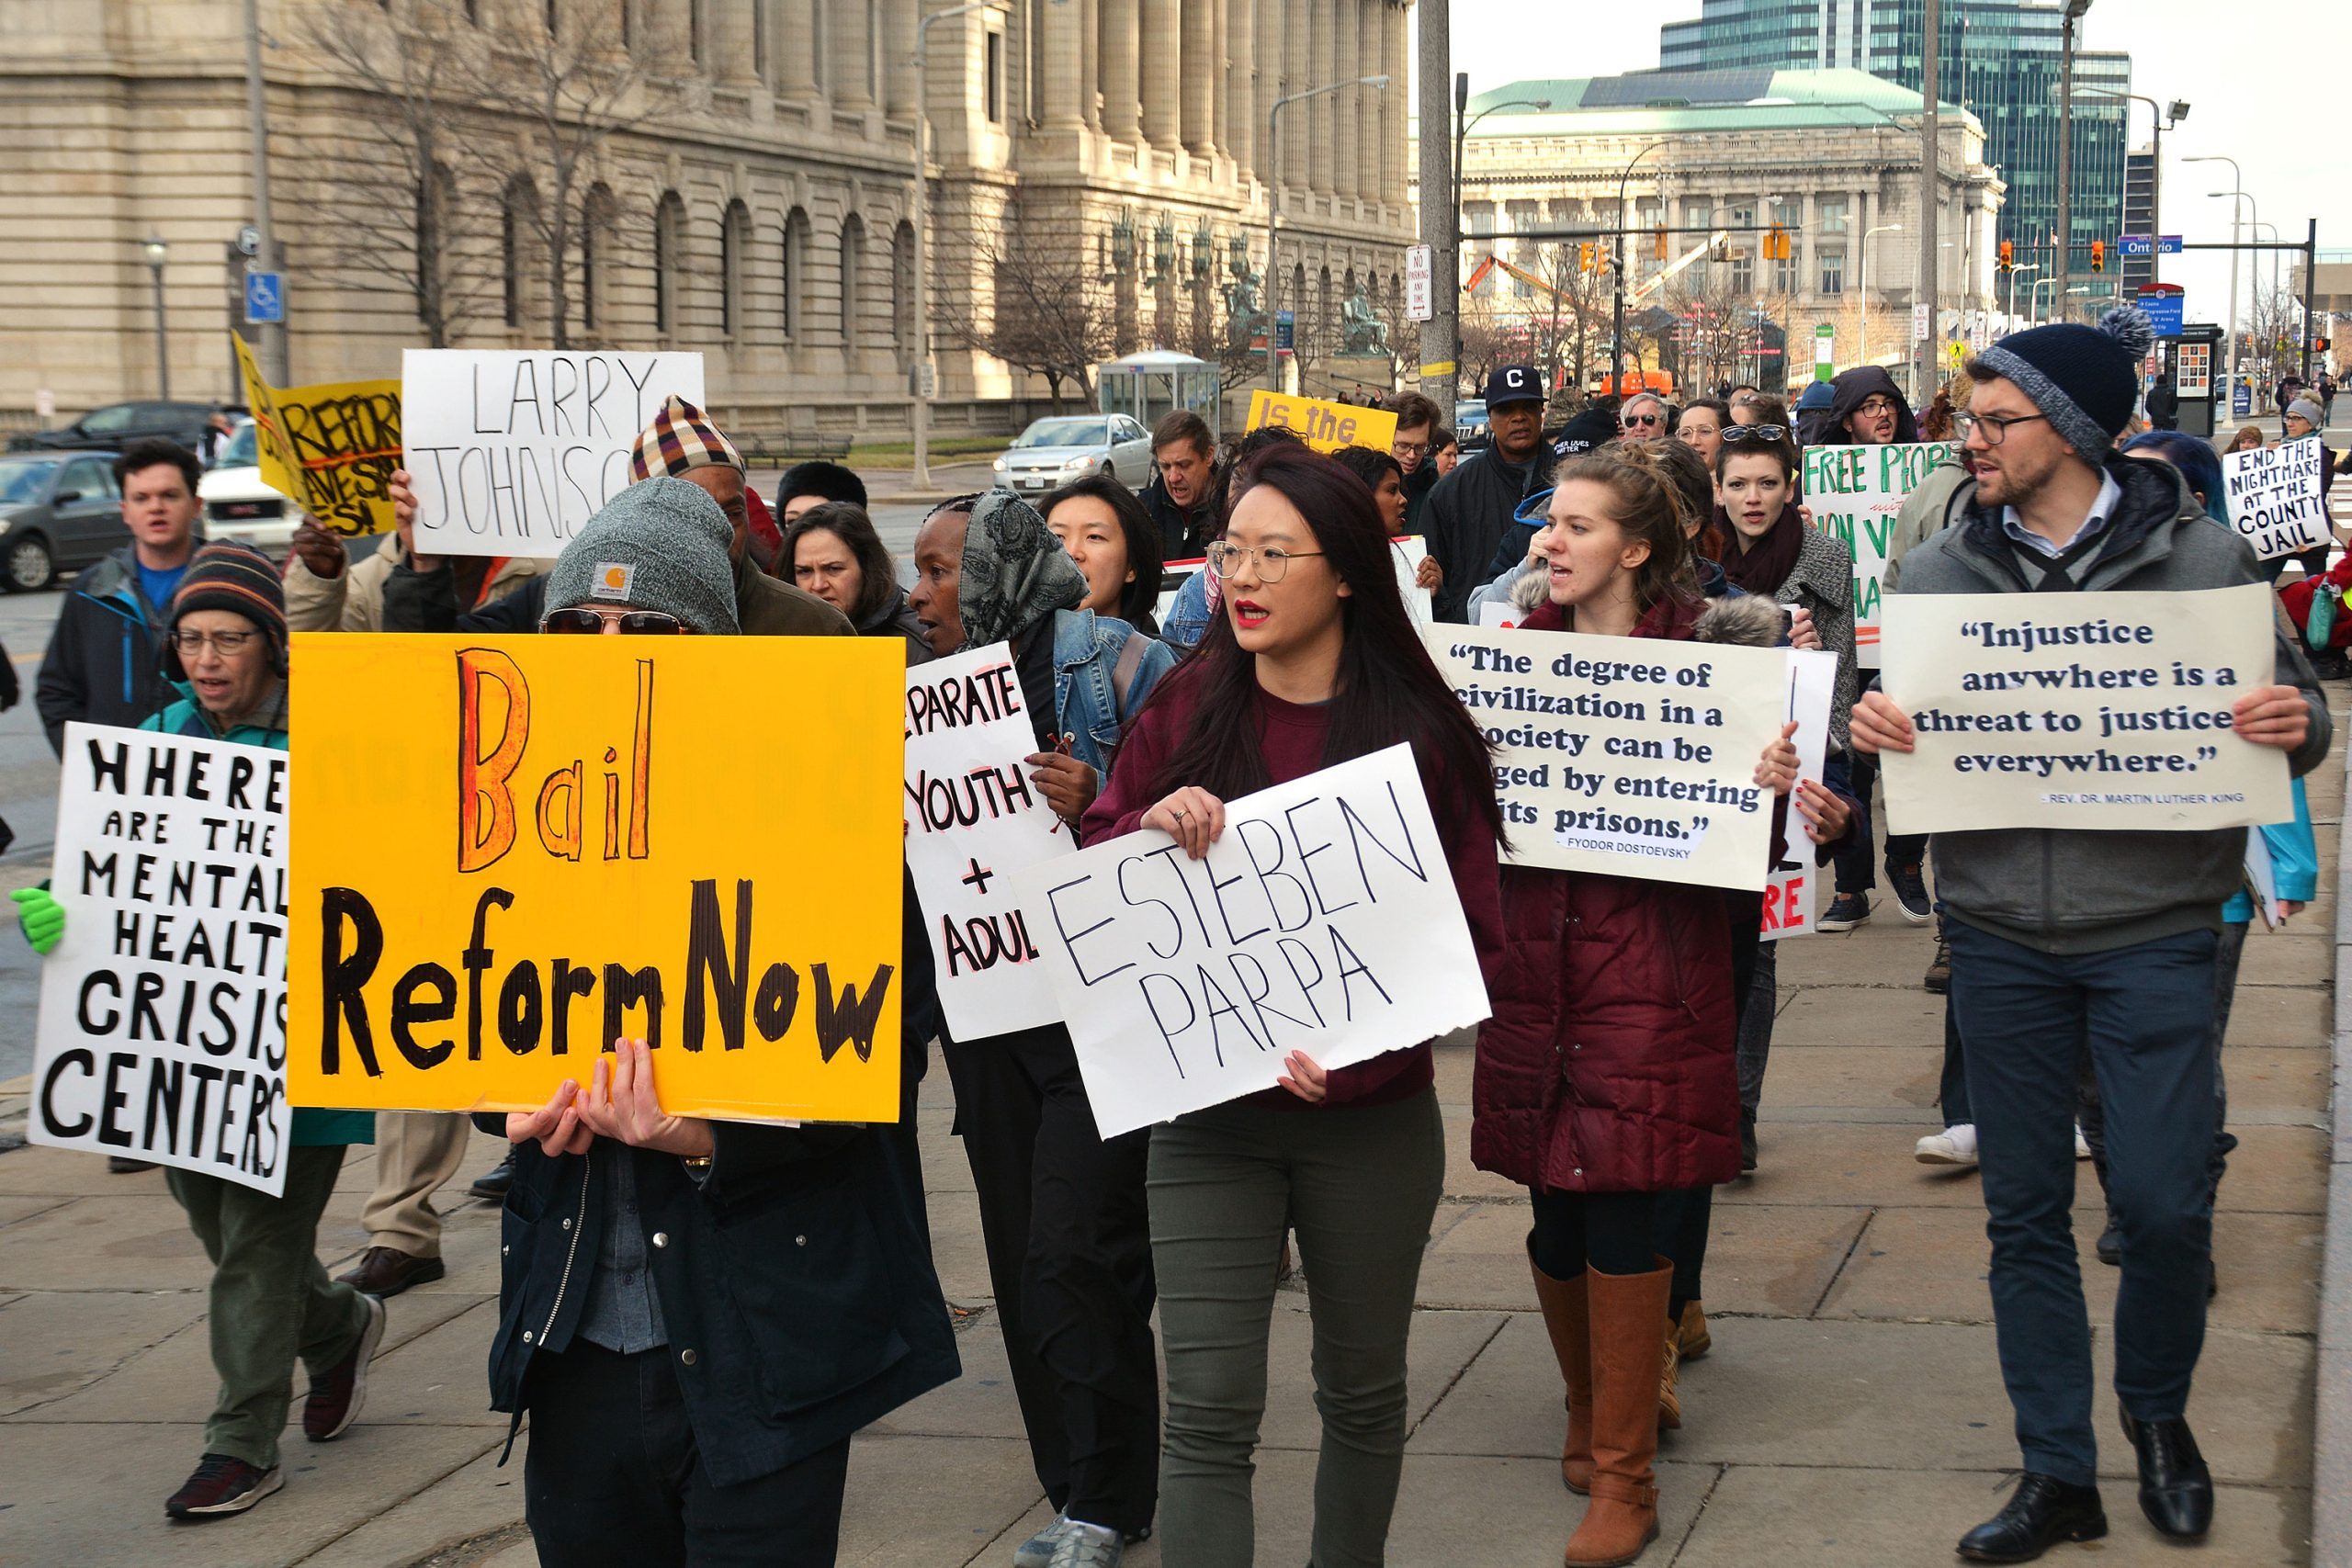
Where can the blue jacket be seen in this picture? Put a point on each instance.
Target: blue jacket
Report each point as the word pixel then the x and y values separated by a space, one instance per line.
pixel 1088 703
pixel 1187 620
pixel 2294 861
pixel 101 666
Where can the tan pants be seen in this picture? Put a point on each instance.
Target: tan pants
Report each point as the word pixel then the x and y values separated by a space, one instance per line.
pixel 416 1153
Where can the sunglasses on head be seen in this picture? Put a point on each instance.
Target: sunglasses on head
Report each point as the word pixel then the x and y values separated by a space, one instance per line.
pixel 1756 432
pixel 632 623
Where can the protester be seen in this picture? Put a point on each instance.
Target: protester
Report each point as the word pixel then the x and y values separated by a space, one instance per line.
pixel 2303 418
pixel 1739 398
pixel 1107 532
pixel 1644 417
pixel 2249 438
pixel 101 667
pixel 834 553
pixel 1314 661
pixel 2067 942
pixel 815 483
pixel 1180 495
pixel 1471 508
pixel 1699 426
pixel 269 1303
pixel 1813 421
pixel 1196 603
pixel 1444 453
pixel 1625 986
pixel 1418 423
pixel 2326 398
pixel 1062 1209
pixel 2163 403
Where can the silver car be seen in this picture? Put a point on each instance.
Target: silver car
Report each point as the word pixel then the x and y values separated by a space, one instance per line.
pixel 1062 448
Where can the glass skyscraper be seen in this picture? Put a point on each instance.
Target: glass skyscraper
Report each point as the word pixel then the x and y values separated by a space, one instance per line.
pixel 1997 59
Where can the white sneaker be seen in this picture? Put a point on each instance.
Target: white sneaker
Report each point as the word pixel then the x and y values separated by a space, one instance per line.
pixel 1954 1145
pixel 2082 1145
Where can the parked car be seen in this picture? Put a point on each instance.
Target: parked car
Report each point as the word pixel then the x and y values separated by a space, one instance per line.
pixel 59 511
pixel 1470 424
pixel 238 506
pixel 119 425
pixel 1062 448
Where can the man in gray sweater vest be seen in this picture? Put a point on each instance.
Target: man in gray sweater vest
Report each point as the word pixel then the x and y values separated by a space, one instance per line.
pixel 2066 942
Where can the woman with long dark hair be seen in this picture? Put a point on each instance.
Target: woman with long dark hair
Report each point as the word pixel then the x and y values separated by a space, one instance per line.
pixel 1104 527
pixel 833 552
pixel 1312 660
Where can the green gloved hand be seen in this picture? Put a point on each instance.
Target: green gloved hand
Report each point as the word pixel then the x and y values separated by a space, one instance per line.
pixel 42 917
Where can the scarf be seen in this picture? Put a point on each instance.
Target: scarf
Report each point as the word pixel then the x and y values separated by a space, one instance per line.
pixel 1766 563
pixel 1015 572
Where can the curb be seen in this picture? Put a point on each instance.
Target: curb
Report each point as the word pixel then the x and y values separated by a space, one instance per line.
pixel 2331 1423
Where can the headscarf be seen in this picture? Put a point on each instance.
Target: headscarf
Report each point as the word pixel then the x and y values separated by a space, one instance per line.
pixel 1015 572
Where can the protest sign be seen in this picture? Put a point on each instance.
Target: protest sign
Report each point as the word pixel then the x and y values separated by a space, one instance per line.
pixel 162 1027
pixel 331 449
pixel 511 850
pixel 1324 426
pixel 1790 894
pixel 509 452
pixel 1325 920
pixel 1625 757
pixel 1855 493
pixel 2277 497
pixel 973 819
pixel 2085 710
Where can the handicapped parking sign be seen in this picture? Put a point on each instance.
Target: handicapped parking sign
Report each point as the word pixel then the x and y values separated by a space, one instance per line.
pixel 265 298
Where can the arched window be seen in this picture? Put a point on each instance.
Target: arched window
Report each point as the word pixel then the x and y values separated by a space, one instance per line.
pixel 734 245
pixel 852 262
pixel 902 291
pixel 599 224
pixel 669 262
pixel 519 216
pixel 795 270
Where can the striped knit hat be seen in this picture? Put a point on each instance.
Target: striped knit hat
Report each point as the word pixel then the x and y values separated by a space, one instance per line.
pixel 226 575
pixel 680 437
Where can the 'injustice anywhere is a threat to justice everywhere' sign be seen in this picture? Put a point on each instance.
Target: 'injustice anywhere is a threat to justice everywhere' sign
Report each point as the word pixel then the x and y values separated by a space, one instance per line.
pixel 1856 493
pixel 509 452
pixel 2277 497
pixel 2080 710
pixel 1324 919
pixel 1633 758
pixel 973 819
pixel 511 850
pixel 161 1034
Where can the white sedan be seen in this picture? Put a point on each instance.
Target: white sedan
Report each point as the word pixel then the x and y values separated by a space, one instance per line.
pixel 1062 447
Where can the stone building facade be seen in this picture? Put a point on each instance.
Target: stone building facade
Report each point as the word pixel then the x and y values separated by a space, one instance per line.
pixel 754 200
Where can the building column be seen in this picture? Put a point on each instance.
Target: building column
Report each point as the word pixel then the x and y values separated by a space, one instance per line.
pixel 1089 94
pixel 1197 89
pixel 797 63
pixel 898 55
pixel 1240 87
pixel 1220 96
pixel 1394 104
pixel 1162 56
pixel 853 55
pixel 1065 45
pixel 731 41
pixel 1296 76
pixel 1122 89
pixel 1322 113
pixel 1347 104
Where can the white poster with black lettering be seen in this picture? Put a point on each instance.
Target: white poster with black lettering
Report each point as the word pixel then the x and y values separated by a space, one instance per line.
pixel 1792 897
pixel 511 451
pixel 974 818
pixel 1325 920
pixel 162 1032
pixel 2277 497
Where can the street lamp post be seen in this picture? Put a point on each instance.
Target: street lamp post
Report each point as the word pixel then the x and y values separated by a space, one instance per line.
pixel 1881 228
pixel 2162 119
pixel 2013 288
pixel 2230 342
pixel 1274 208
pixel 1462 130
pixel 920 412
pixel 156 250
pixel 1617 269
pixel 2075 9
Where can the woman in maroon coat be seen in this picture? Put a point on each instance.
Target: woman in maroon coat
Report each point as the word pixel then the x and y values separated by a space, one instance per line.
pixel 1606 1074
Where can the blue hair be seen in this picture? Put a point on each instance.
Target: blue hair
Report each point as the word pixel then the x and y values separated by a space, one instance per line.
pixel 2194 458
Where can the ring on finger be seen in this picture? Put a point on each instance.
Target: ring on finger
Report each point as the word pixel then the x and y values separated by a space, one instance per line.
pixel 1181 814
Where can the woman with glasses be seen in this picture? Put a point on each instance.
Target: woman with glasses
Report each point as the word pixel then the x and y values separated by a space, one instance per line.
pixel 1313 661
pixel 1701 425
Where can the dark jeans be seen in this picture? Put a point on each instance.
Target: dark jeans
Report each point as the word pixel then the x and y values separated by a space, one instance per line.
pixel 1068 1239
pixel 2145 1015
pixel 1855 873
pixel 2093 1116
pixel 612 1475
pixel 1953 1096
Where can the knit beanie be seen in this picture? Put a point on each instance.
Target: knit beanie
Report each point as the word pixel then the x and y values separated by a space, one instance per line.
pixel 226 575
pixel 660 544
pixel 2084 379
pixel 681 438
pixel 2306 409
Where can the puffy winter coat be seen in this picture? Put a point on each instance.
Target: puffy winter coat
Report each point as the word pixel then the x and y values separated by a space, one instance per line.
pixel 1608 1064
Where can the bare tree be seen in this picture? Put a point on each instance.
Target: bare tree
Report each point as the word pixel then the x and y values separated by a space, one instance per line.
pixel 1037 307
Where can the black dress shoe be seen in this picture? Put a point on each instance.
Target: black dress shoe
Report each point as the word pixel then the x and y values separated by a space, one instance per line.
pixel 2175 1489
pixel 123 1165
pixel 2042 1512
pixel 2110 1246
pixel 493 1183
pixel 387 1271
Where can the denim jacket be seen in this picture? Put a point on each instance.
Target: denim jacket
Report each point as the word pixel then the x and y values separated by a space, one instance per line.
pixel 1086 695
pixel 1188 616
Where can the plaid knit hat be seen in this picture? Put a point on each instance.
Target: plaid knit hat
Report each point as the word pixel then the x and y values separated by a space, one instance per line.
pixel 661 546
pixel 680 437
pixel 226 575
pixel 2084 379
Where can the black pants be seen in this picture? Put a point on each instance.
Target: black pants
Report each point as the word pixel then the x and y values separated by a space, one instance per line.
pixel 1855 873
pixel 612 1475
pixel 1069 1239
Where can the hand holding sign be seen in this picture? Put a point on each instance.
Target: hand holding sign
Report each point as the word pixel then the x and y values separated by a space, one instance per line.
pixel 620 1104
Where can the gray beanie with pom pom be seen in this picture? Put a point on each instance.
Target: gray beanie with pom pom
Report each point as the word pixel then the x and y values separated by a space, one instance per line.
pixel 2084 379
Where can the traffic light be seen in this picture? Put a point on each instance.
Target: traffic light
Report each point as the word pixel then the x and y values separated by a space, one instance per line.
pixel 1776 245
pixel 1588 257
pixel 2008 255
pixel 1659 248
pixel 2098 255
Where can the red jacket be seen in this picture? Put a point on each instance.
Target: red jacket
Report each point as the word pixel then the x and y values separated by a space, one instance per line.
pixel 1608 1064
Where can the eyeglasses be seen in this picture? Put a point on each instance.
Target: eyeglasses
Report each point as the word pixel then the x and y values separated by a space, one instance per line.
pixel 1876 406
pixel 222 643
pixel 584 622
pixel 1409 448
pixel 1993 427
pixel 1737 433
pixel 1631 420
pixel 1273 561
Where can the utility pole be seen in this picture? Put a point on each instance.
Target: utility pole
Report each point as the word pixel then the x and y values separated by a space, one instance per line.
pixel 1439 377
pixel 2311 294
pixel 272 334
pixel 2075 9
pixel 1925 349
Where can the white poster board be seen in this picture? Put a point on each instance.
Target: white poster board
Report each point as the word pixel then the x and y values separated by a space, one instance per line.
pixel 511 451
pixel 1626 757
pixel 162 1030
pixel 2277 497
pixel 1855 493
pixel 973 819
pixel 2080 710
pixel 1325 920
pixel 1792 894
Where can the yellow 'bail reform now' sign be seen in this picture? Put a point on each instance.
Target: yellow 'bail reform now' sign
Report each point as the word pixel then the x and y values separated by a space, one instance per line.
pixel 510 851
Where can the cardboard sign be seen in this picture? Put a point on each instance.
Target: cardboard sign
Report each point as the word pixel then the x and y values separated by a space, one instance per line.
pixel 512 851
pixel 1324 426
pixel 510 452
pixel 162 1030
pixel 2277 497
pixel 973 819
pixel 1630 757
pixel 1855 493
pixel 2080 710
pixel 1792 894
pixel 331 449
pixel 1324 921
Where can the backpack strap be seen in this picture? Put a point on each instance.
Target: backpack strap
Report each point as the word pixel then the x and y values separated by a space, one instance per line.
pixel 1122 673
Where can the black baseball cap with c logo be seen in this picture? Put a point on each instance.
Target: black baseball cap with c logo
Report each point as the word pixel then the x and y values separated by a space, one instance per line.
pixel 1514 384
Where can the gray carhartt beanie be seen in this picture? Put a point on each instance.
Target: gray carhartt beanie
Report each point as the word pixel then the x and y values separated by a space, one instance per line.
pixel 660 545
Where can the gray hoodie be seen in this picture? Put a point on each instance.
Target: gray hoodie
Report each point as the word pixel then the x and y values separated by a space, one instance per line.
pixel 2067 890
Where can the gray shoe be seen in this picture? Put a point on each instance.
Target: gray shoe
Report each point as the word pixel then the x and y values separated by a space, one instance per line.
pixel 1087 1546
pixel 1037 1551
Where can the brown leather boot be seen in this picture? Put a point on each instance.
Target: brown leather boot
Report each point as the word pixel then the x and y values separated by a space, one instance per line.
pixel 1692 1337
pixel 1628 1316
pixel 1571 1329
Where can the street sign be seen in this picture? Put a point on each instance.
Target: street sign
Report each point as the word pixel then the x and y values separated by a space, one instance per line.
pixel 1824 352
pixel 1420 292
pixel 2242 399
pixel 265 298
pixel 1285 332
pixel 2163 308
pixel 1920 323
pixel 2141 245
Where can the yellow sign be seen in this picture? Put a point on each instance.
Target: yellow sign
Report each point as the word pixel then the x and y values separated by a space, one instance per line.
pixel 508 851
pixel 332 448
pixel 1326 427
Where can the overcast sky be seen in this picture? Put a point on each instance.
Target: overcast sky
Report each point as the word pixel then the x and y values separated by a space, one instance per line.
pixel 2264 86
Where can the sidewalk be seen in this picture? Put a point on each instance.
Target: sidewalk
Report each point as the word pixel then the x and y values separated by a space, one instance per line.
pixel 1851 1412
